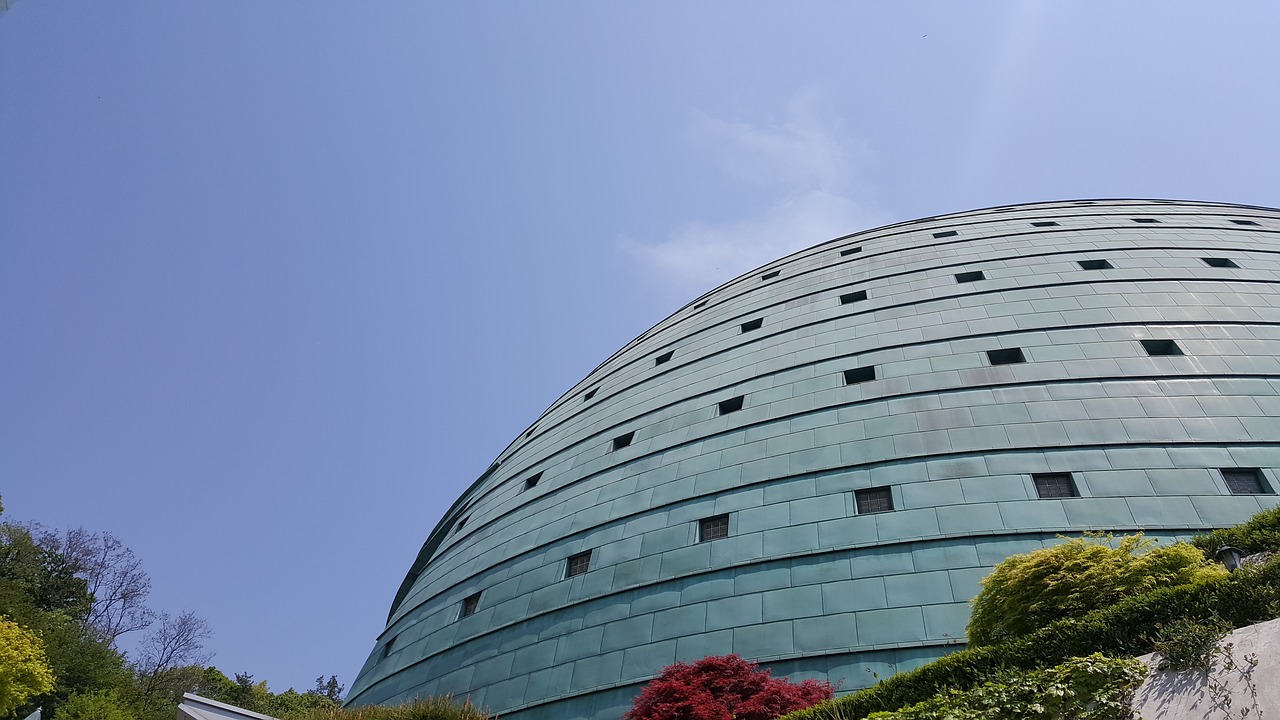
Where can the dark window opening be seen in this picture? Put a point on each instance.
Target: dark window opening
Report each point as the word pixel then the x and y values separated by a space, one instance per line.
pixel 874 500
pixel 1220 262
pixel 1244 222
pixel 972 276
pixel 1006 356
pixel 460 523
pixel 860 375
pixel 1161 347
pixel 733 404
pixel 623 440
pixel 853 297
pixel 530 433
pixel 470 604
pixel 578 564
pixel 849 251
pixel 590 394
pixel 1145 221
pixel 1044 223
pixel 770 275
pixel 700 304
pixel 1244 481
pixel 713 528
pixel 663 357
pixel 750 325
pixel 1095 265
pixel 1055 485
pixel 531 482
pixel 386 649
pixel 945 233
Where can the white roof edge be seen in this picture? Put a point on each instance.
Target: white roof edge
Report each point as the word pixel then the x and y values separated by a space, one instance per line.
pixel 198 700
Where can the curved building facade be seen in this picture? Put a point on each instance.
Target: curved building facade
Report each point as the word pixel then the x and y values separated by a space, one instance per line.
pixel 814 464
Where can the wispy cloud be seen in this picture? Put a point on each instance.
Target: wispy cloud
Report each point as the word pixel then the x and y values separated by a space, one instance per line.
pixel 806 159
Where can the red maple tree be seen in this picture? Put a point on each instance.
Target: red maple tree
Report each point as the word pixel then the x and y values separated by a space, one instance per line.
pixel 723 687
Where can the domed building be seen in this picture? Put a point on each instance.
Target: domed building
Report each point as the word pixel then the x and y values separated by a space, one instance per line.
pixel 813 465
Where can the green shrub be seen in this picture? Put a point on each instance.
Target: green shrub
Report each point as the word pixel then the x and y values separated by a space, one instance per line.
pixel 101 705
pixel 1260 532
pixel 1026 592
pixel 1245 597
pixel 433 708
pixel 1085 688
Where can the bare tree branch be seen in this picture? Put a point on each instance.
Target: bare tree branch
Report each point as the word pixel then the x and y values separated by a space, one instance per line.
pixel 172 643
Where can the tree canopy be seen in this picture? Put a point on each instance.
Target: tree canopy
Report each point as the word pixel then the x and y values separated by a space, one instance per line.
pixel 24 672
pixel 1027 592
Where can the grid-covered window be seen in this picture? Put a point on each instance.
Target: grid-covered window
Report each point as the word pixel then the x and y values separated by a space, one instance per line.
pixel 733 404
pixel 853 297
pixel 713 528
pixel 972 276
pixel 1095 265
pixel 1006 356
pixel 1161 347
pixel 578 564
pixel 874 500
pixel 1244 481
pixel 1055 485
pixel 623 440
pixel 750 325
pixel 470 604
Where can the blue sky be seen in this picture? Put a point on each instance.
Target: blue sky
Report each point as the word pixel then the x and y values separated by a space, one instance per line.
pixel 279 280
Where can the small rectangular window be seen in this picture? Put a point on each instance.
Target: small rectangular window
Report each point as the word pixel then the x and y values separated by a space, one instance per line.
pixel 1044 223
pixel 590 394
pixel 1054 485
pixel 623 440
pixel 1006 356
pixel 1220 262
pixel 470 604
pixel 853 297
pixel 750 325
pixel 1243 222
pixel 1145 221
pixel 578 564
pixel 663 357
pixel 850 251
pixel 1095 265
pixel 713 528
pixel 733 404
pixel 770 275
pixel 860 375
pixel 531 482
pixel 1244 481
pixel 972 276
pixel 1161 347
pixel 386 649
pixel 874 500
pixel 699 304
pixel 945 234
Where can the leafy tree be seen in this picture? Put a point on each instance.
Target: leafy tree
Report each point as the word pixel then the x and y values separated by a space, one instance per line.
pixel 100 705
pixel 329 689
pixel 723 687
pixel 1260 532
pixel 1027 592
pixel 24 672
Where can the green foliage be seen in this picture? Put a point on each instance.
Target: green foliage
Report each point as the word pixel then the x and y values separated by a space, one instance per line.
pixel 24 673
pixel 1247 596
pixel 1086 688
pixel 435 708
pixel 1260 532
pixel 101 705
pixel 245 693
pixel 1027 592
pixel 1189 644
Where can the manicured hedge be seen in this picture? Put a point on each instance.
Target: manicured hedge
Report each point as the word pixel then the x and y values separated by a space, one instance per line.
pixel 1245 597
